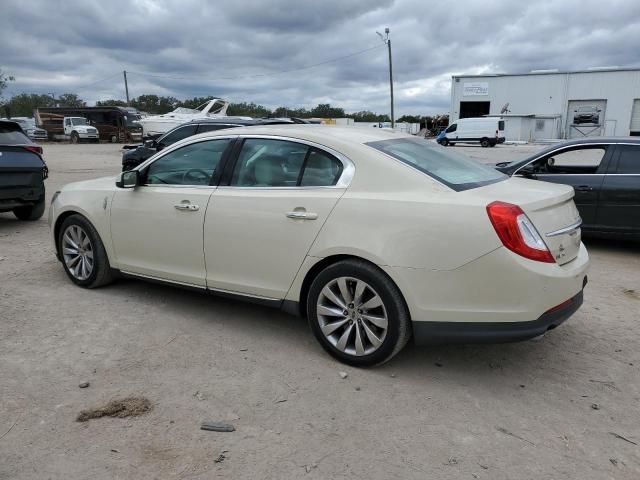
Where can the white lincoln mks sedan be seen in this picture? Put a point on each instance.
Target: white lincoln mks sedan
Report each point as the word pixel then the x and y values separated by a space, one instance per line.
pixel 374 236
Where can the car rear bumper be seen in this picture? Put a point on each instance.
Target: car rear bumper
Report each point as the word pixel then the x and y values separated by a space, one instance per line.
pixel 499 287
pixel 429 333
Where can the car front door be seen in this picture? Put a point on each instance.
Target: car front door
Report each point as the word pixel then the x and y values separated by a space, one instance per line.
pixel 582 167
pixel 156 228
pixel 267 212
pixel 619 209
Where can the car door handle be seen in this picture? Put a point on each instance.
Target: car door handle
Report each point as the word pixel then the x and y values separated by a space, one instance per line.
pixel 186 206
pixel 300 215
pixel 584 188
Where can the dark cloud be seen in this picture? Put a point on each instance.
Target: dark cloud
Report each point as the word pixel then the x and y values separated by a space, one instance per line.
pixel 239 49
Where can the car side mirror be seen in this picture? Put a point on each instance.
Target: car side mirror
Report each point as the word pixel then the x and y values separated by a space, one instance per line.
pixel 150 143
pixel 128 179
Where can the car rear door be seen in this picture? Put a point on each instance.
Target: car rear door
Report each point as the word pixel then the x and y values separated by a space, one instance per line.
pixel 619 204
pixel 266 213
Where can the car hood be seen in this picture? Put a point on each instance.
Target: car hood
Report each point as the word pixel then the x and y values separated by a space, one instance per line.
pixel 83 128
pixel 103 183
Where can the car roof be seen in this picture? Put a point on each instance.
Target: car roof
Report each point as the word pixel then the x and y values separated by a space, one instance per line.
pixel 322 134
pixel 11 124
pixel 240 121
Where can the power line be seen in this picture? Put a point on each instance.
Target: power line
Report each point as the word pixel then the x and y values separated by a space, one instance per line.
pixel 280 72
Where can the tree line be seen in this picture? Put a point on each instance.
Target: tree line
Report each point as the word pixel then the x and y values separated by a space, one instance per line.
pixel 23 105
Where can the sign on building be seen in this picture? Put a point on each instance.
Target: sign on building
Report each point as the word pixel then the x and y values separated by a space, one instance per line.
pixel 475 88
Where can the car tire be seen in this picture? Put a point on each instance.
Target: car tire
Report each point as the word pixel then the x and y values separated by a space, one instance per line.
pixel 32 212
pixel 96 271
pixel 484 143
pixel 493 144
pixel 75 138
pixel 444 142
pixel 375 327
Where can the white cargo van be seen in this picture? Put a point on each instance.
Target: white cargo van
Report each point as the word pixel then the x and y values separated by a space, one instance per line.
pixel 487 131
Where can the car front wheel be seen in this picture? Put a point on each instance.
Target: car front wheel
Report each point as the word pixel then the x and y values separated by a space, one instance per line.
pixel 358 314
pixel 83 255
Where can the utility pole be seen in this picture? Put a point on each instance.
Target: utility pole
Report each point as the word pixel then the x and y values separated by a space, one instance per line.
pixel 126 87
pixel 387 40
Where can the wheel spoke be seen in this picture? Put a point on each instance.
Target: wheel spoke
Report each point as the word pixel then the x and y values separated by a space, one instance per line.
pixel 77 269
pixel 85 270
pixel 344 290
pixel 329 328
pixel 89 254
pixel 330 312
pixel 375 341
pixel 72 261
pixel 357 296
pixel 69 240
pixel 328 293
pixel 378 321
pixel 69 251
pixel 359 345
pixel 342 343
pixel 373 302
pixel 85 240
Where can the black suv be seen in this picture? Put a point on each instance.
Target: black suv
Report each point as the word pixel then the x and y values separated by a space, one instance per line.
pixel 134 155
pixel 22 173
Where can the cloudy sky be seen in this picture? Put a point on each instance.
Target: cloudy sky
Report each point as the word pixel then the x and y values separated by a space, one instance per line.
pixel 264 51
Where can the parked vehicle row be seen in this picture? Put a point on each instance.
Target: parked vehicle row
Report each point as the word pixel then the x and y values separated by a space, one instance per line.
pixel 310 219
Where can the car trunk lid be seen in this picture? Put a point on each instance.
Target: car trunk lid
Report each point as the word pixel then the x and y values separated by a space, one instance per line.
pixel 550 208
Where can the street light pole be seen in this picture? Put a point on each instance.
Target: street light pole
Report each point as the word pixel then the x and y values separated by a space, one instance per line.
pixel 126 87
pixel 387 40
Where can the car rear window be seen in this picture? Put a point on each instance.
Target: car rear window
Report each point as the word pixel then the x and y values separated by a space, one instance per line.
pixel 454 171
pixel 11 136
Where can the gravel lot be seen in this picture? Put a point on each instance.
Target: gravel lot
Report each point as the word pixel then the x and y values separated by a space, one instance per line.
pixel 559 407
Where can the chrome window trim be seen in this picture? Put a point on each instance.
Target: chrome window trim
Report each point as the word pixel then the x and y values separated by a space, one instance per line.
pixel 567 229
pixel 567 147
pixel 348 167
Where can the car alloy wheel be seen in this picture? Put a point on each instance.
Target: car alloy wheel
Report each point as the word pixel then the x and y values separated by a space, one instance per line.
pixel 352 316
pixel 77 252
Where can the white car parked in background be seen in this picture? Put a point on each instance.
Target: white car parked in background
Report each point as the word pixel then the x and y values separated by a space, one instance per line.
pixel 374 236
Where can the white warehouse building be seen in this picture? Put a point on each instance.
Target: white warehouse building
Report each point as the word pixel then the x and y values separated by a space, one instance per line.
pixel 548 104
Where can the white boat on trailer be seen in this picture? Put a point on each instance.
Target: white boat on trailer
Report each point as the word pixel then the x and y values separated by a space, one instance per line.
pixel 155 125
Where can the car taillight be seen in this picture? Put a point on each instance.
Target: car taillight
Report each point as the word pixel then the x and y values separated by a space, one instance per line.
pixel 33 148
pixel 517 233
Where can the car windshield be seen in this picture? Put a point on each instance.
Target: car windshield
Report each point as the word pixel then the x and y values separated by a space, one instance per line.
pixel 79 121
pixel 454 171
pixel 132 120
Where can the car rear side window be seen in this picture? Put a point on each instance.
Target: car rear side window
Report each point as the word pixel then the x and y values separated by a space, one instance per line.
pixel 450 169
pixel 9 136
pixel 320 169
pixel 281 163
pixel 629 160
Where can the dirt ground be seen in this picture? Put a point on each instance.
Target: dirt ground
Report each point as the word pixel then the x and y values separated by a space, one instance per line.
pixel 564 406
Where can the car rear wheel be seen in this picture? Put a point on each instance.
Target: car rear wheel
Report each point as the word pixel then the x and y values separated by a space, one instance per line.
pixel 31 212
pixel 83 255
pixel 484 143
pixel 358 314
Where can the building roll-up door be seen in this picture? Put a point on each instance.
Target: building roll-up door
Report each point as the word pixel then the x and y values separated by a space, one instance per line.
pixel 635 117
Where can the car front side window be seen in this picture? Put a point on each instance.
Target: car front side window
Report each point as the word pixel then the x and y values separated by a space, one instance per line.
pixel 192 164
